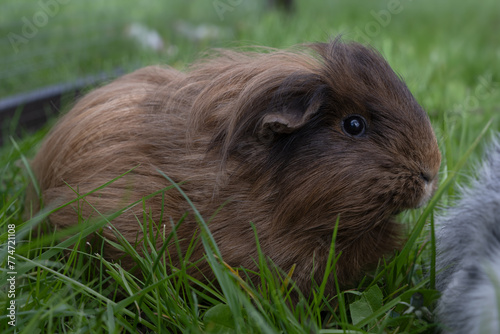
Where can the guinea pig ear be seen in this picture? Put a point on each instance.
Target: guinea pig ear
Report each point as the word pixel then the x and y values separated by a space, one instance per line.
pixel 289 119
pixel 291 113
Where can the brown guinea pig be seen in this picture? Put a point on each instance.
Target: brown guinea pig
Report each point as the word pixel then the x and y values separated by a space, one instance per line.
pixel 289 140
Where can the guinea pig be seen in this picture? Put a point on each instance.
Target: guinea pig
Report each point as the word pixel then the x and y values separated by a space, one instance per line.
pixel 291 141
pixel 468 255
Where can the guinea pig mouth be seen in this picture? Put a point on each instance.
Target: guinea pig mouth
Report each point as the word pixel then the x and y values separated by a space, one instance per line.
pixel 429 190
pixel 417 195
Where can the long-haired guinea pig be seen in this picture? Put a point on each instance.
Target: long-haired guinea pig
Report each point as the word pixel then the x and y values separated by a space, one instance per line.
pixel 468 255
pixel 290 141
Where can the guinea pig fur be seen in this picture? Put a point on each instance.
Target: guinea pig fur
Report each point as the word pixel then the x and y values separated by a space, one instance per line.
pixel 289 140
pixel 468 255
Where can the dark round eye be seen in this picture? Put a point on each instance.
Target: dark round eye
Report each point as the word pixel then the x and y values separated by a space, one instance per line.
pixel 354 125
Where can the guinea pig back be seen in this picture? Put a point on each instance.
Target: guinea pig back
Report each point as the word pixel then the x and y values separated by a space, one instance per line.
pixel 289 140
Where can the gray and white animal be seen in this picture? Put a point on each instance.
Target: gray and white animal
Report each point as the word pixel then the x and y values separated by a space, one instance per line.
pixel 468 259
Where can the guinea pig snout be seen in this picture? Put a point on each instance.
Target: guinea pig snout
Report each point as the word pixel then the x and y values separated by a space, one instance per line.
pixel 429 176
pixel 426 176
pixel 430 181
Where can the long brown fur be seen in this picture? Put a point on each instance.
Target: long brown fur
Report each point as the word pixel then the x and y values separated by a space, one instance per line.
pixel 262 132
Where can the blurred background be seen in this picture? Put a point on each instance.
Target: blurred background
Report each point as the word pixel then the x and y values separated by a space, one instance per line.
pixel 53 50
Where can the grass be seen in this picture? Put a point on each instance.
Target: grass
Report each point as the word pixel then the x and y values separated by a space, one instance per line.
pixel 448 53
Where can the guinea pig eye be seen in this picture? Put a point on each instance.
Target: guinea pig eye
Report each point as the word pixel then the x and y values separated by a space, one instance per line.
pixel 354 125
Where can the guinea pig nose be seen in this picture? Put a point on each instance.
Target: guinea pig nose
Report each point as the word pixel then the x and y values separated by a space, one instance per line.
pixel 427 176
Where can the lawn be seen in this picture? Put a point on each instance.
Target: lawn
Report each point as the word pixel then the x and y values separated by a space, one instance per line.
pixel 448 52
